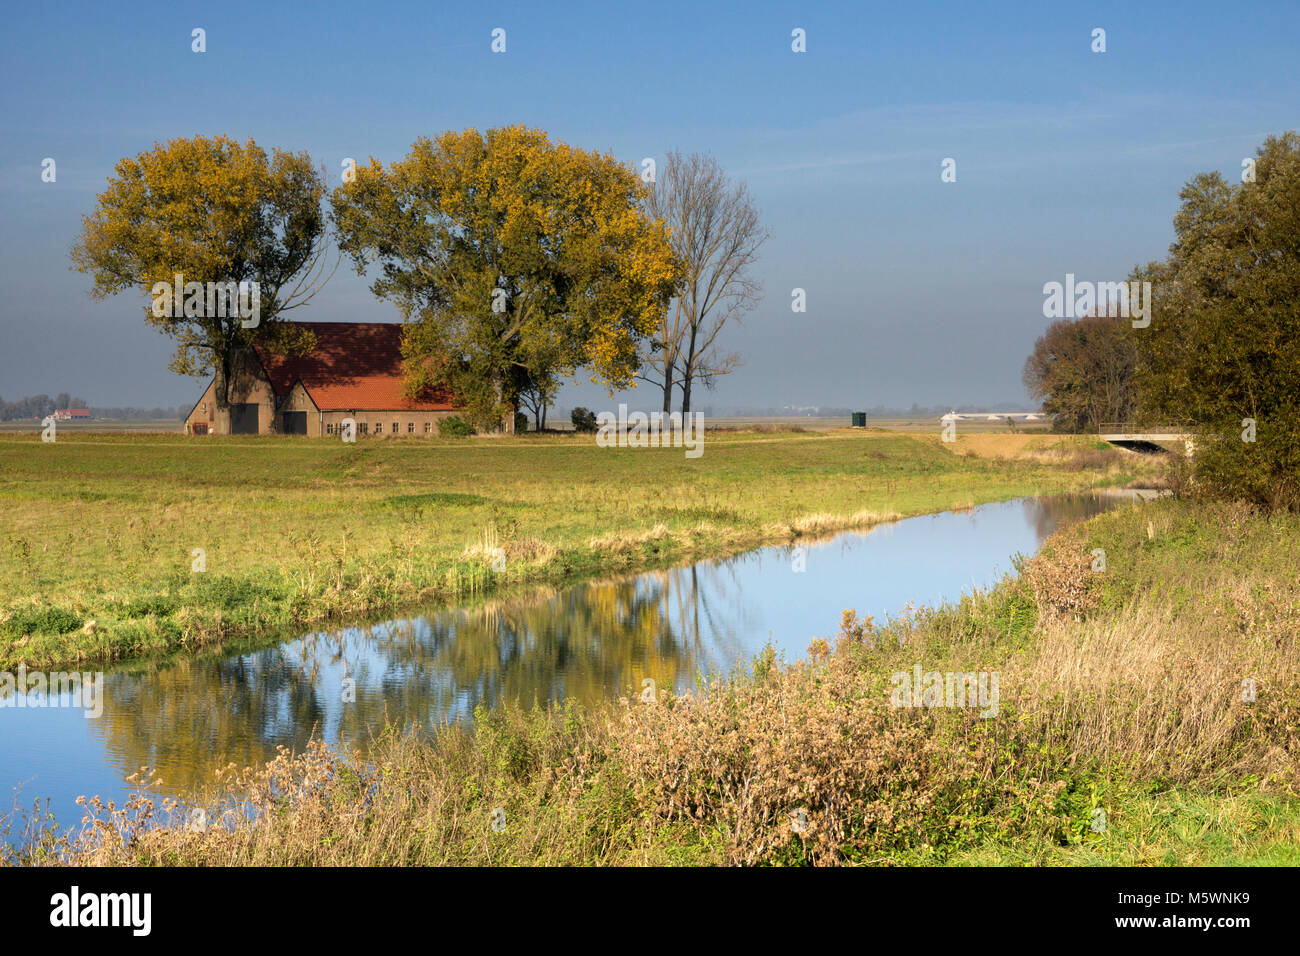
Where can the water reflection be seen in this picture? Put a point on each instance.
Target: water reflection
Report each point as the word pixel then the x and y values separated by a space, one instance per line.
pixel 591 641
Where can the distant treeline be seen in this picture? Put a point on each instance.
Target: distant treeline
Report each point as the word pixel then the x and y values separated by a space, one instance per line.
pixel 38 406
pixel 879 411
pixel 829 411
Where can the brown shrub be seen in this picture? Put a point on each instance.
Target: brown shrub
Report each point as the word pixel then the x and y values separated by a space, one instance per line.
pixel 1061 578
pixel 811 763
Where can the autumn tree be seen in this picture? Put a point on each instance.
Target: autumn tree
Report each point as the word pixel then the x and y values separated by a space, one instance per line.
pixel 1223 348
pixel 716 236
pixel 514 259
pixel 1082 372
pixel 211 210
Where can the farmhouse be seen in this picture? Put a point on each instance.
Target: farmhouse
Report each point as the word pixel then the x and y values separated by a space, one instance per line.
pixel 71 414
pixel 355 371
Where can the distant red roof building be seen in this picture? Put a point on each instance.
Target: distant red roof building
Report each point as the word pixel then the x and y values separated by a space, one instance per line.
pixel 355 366
pixel 354 373
pixel 67 414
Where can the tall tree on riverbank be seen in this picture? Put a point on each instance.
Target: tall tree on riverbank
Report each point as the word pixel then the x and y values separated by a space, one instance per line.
pixel 515 259
pixel 1223 347
pixel 1082 372
pixel 716 236
pixel 212 210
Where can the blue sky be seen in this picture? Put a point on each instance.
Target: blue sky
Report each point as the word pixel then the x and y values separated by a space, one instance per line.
pixel 918 290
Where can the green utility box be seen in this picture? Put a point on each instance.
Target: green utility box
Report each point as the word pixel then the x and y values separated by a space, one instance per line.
pixel 859 419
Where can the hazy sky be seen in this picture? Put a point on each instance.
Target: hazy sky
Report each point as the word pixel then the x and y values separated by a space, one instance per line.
pixel 917 290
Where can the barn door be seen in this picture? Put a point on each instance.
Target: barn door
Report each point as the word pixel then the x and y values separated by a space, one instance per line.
pixel 243 419
pixel 295 423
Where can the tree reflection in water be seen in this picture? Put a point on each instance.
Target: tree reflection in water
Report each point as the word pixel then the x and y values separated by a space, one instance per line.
pixel 590 642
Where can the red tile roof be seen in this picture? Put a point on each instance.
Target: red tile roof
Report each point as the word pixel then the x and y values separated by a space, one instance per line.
pixel 355 366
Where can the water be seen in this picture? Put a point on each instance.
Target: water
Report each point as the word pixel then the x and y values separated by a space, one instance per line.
pixel 590 641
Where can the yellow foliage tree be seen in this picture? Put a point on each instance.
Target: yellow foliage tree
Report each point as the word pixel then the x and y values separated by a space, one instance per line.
pixel 514 260
pixel 211 210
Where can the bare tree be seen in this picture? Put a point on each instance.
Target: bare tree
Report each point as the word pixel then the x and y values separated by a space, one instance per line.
pixel 716 235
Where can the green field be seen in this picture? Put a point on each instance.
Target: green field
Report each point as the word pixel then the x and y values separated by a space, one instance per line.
pixel 101 530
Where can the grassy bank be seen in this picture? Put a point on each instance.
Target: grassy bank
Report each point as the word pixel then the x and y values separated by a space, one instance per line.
pixel 102 532
pixel 1122 734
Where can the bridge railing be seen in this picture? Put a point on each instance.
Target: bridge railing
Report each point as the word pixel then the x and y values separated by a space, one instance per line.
pixel 1134 428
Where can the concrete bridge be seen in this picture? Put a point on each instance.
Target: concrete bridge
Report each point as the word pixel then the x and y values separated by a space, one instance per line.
pixel 1133 436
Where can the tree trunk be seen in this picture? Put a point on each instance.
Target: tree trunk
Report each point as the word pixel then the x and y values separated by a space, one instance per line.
pixel 221 391
pixel 688 373
pixel 499 409
pixel 222 375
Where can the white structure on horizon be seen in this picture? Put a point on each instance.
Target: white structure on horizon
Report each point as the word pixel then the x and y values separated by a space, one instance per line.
pixel 992 416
